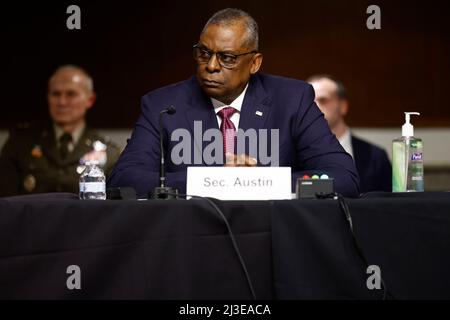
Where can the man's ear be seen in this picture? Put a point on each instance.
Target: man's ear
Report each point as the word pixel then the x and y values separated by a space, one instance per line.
pixel 344 107
pixel 91 100
pixel 256 63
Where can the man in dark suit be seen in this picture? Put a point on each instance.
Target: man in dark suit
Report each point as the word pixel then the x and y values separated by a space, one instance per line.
pixel 229 93
pixel 372 162
pixel 49 157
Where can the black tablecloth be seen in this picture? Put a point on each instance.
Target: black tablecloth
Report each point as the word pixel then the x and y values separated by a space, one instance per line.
pixel 407 236
pixel 180 249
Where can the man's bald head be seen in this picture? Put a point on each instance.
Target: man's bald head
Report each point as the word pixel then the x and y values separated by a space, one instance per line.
pixel 74 74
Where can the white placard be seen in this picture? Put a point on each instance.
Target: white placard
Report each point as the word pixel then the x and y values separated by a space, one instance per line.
pixel 240 183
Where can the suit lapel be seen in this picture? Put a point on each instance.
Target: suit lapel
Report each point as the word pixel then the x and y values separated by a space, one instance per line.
pixel 255 108
pixel 359 158
pixel 200 109
pixel 49 148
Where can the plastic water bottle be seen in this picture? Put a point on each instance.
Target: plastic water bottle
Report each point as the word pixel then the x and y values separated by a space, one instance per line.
pixel 92 182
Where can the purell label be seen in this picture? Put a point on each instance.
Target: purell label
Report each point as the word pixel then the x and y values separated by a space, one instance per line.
pixel 416 156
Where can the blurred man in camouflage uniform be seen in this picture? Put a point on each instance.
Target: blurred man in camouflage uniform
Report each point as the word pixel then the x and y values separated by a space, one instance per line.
pixel 49 158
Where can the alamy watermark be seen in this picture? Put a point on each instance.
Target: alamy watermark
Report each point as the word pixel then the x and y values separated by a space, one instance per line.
pixel 73 281
pixel 374 280
pixel 213 153
pixel 373 22
pixel 73 22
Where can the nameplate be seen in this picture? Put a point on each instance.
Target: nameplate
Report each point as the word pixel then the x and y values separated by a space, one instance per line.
pixel 240 183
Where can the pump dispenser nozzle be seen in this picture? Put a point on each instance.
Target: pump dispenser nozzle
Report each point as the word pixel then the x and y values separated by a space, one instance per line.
pixel 408 128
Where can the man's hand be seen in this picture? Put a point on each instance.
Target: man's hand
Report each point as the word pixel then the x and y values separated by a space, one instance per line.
pixel 241 160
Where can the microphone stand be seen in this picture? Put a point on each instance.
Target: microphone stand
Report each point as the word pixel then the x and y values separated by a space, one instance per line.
pixel 163 192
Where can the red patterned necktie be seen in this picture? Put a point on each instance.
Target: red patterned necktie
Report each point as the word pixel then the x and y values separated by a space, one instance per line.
pixel 228 129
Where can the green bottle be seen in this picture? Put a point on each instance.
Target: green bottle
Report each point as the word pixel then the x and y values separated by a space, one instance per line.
pixel 407 159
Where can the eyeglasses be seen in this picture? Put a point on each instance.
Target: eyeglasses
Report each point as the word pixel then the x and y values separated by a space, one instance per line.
pixel 226 60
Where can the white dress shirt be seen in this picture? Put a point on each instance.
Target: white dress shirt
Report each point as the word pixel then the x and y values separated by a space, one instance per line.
pixel 237 104
pixel 346 141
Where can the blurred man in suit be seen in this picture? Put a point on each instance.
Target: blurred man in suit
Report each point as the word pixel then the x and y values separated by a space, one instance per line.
pixel 49 158
pixel 229 94
pixel 372 162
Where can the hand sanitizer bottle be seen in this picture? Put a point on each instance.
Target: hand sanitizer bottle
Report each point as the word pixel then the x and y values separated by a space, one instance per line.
pixel 407 159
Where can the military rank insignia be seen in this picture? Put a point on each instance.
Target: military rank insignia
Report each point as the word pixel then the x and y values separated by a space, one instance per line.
pixel 36 152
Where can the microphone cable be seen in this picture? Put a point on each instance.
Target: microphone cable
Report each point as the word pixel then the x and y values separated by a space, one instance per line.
pixel 231 235
pixel 345 209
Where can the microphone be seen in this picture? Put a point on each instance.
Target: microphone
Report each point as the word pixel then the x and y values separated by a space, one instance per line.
pixel 163 192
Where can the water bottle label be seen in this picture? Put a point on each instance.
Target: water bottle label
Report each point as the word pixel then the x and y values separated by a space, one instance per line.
pixel 94 187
